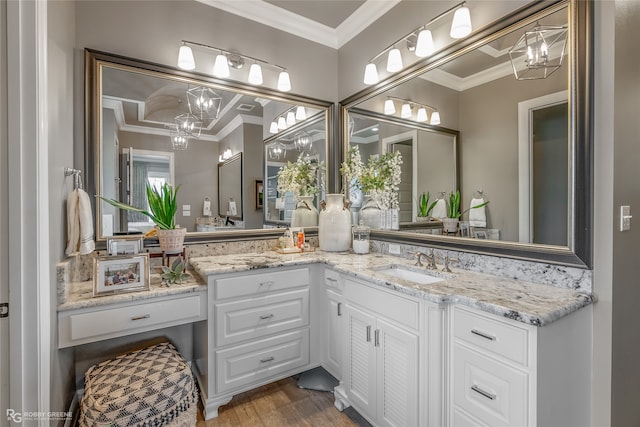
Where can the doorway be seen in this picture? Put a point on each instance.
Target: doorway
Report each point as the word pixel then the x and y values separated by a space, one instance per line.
pixel 406 144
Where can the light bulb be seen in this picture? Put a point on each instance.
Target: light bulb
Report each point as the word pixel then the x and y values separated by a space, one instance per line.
pixel 284 83
pixel 405 112
pixel 394 60
pixel 425 46
pixel 255 74
pixel 282 123
pixel 291 119
pixel 185 58
pixel 274 127
pixel 221 66
pixel 461 25
pixel 389 107
pixel 421 116
pixel 371 74
pixel 301 113
pixel 435 118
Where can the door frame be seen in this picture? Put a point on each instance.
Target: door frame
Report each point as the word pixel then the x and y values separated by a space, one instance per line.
pixel 525 155
pixel 413 136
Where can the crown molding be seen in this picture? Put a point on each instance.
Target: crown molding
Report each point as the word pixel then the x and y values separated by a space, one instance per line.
pixel 292 23
pixel 461 84
pixel 237 121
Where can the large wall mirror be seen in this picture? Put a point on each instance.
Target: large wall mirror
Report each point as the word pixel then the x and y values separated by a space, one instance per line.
pixel 133 112
pixel 522 144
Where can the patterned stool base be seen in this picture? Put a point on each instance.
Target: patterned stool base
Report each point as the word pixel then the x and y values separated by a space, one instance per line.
pixel 149 387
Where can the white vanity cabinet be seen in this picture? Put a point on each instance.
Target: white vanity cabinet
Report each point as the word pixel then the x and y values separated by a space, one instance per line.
pixel 333 320
pixel 386 357
pixel 257 332
pixel 508 373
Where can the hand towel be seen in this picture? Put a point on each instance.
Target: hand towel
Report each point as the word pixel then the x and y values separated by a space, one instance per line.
pixel 440 209
pixel 79 223
pixel 477 216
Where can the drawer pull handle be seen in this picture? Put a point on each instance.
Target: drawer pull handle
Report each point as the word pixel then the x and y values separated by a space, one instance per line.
pixel 268 359
pixel 339 309
pixel 266 316
pixel 484 393
pixel 483 335
pixel 331 279
pixel 146 316
pixel 267 284
pixel 368 333
pixel 377 338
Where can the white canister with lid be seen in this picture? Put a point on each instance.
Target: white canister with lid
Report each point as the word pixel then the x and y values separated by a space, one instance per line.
pixel 360 242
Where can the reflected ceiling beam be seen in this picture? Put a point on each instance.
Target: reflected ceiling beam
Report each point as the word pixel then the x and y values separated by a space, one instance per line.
pixel 285 20
pixel 461 84
pixel 237 121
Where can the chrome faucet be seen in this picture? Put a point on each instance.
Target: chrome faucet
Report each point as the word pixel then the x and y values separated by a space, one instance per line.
pixel 431 259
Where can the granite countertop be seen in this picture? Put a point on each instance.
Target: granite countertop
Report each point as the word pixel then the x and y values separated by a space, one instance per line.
pixel 519 300
pixel 80 294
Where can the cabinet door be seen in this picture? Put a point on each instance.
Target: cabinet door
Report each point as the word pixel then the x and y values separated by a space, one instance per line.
pixel 397 361
pixel 334 333
pixel 360 367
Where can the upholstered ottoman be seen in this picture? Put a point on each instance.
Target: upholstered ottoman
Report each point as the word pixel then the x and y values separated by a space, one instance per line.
pixel 149 387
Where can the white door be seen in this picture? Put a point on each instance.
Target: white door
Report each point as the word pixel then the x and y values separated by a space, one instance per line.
pixel 360 365
pixel 397 361
pixel 334 333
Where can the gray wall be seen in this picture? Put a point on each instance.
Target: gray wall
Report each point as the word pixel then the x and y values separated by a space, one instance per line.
pixel 60 16
pixel 195 171
pixel 252 169
pixel 626 292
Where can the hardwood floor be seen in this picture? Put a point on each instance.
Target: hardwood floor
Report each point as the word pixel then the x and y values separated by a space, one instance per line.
pixel 281 404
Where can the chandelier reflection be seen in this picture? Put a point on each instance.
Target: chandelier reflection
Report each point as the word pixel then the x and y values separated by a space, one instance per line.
pixel 277 151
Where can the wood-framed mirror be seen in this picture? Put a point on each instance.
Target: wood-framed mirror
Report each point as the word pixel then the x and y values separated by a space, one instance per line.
pixel 524 145
pixel 135 104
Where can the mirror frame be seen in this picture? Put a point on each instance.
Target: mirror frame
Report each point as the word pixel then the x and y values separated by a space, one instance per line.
pixel 230 162
pixel 93 59
pixel 579 253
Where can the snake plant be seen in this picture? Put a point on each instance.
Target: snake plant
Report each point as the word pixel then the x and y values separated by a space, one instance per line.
pixel 424 208
pixel 453 208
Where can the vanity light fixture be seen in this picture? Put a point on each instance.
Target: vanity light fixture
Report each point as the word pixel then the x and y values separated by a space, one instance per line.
pixel 274 127
pixel 282 123
pixel 301 113
pixel 226 59
pixel 538 52
pixel 406 111
pixel 291 118
pixel 420 41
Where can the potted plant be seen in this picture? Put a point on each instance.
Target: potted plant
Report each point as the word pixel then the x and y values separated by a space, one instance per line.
pixel 304 179
pixel 450 223
pixel 424 208
pixel 162 211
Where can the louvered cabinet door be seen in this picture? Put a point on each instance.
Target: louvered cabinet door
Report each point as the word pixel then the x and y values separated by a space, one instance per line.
pixel 360 367
pixel 397 360
pixel 334 333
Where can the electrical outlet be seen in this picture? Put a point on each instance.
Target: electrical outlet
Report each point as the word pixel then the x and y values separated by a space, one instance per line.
pixel 186 213
pixel 394 249
pixel 625 218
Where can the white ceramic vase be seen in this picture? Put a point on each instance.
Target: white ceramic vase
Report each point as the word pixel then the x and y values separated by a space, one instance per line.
pixel 334 229
pixel 305 214
pixel 450 225
pixel 371 214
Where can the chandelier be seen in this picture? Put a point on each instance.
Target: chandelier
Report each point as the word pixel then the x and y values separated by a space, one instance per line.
pixel 179 142
pixel 203 102
pixel 276 150
pixel 302 141
pixel 539 52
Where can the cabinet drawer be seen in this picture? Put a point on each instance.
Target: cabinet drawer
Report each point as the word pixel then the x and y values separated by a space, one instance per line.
pixel 332 279
pixel 461 419
pixel 261 316
pixel 395 307
pixel 252 284
pixel 148 315
pixel 249 363
pixel 491 391
pixel 504 340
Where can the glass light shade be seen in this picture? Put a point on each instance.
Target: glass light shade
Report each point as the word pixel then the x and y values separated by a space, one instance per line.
pixel 389 107
pixel 394 60
pixel 203 102
pixel 227 154
pixel 274 127
pixel 291 118
pixel 301 113
pixel 421 116
pixel 405 112
pixel 425 46
pixel 284 83
pixel 255 74
pixel 371 74
pixel 435 118
pixel 461 25
pixel 221 66
pixel 185 58
pixel 282 123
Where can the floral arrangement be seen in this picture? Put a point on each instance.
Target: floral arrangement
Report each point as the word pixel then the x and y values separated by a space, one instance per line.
pixel 379 178
pixel 302 178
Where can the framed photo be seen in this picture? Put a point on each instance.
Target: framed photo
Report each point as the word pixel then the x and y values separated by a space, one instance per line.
pixel 259 194
pixel 122 273
pixel 481 234
pixel 125 245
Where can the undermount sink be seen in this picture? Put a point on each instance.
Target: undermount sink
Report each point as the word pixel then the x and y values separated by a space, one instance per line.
pixel 406 273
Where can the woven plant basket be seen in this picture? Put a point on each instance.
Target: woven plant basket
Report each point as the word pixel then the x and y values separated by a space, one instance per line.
pixel 171 241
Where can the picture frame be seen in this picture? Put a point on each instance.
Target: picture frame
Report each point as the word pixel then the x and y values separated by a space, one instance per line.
pixel 259 194
pixel 129 245
pixel 121 273
pixel 481 234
